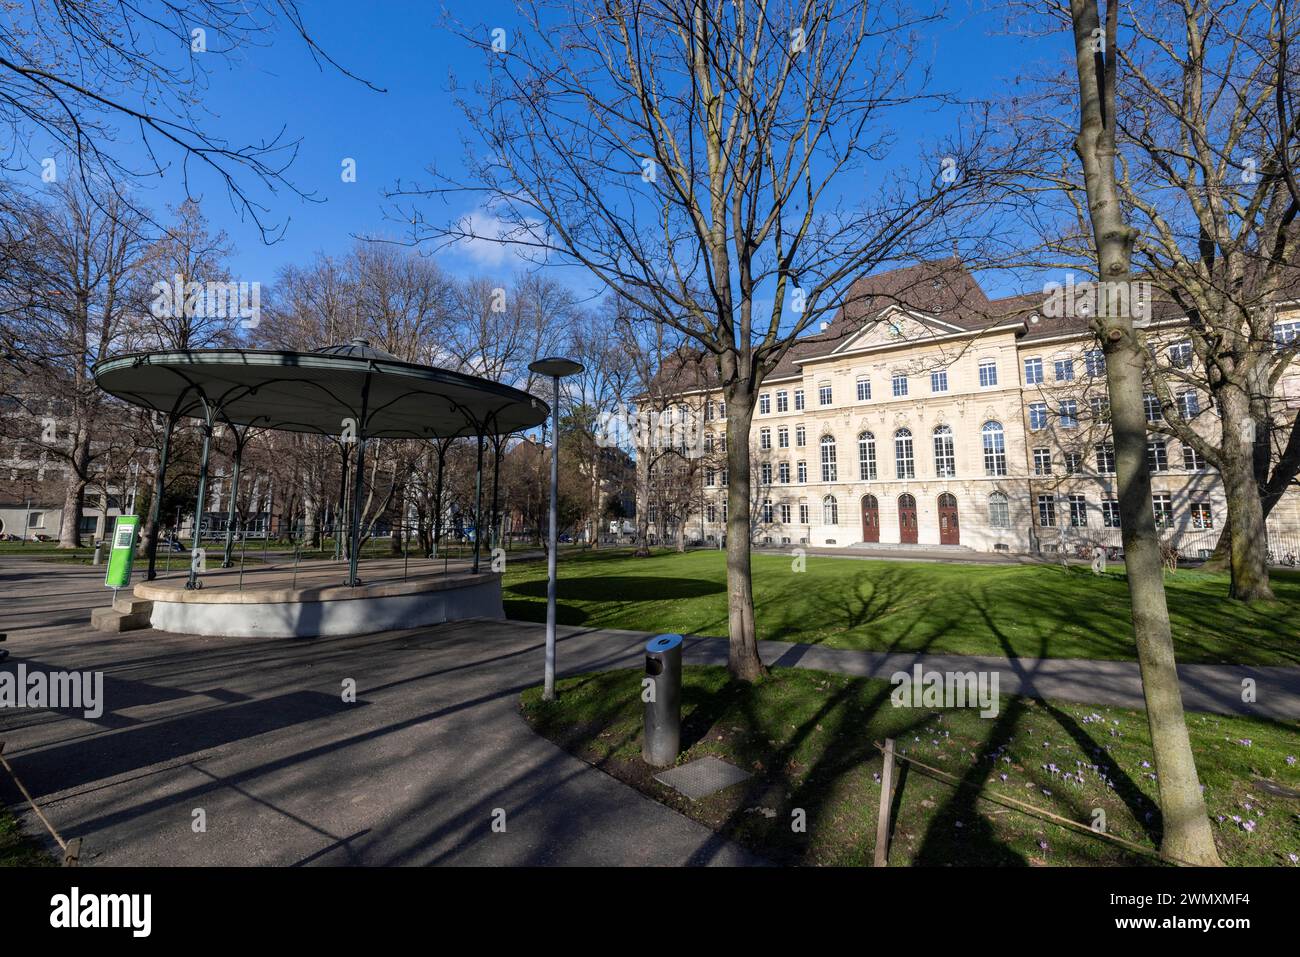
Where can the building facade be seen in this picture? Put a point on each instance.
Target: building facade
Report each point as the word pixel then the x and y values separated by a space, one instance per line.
pixel 962 423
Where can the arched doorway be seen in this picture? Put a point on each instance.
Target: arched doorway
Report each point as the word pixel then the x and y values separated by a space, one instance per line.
pixel 870 519
pixel 949 533
pixel 906 519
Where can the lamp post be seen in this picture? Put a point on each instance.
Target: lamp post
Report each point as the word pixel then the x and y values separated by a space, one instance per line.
pixel 556 367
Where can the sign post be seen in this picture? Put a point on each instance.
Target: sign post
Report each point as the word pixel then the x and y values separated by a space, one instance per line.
pixel 121 556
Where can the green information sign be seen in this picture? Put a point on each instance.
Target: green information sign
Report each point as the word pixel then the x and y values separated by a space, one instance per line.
pixel 122 555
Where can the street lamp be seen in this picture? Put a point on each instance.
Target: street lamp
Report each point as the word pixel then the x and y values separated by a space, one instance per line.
pixel 556 367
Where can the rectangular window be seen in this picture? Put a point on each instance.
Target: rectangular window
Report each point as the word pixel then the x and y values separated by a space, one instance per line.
pixel 1162 504
pixel 1110 513
pixel 785 514
pixel 905 462
pixel 828 462
pixel 1106 458
pixel 1033 371
pixel 710 476
pixel 1151 404
pixel 765 473
pixel 767 512
pixel 864 390
pixel 708 411
pixel 824 394
pixel 783 401
pixel 1069 414
pixel 899 383
pixel 1202 517
pixel 764 439
pixel 939 381
pixel 866 460
pixel 1047 511
pixel 1094 363
pixel 999 511
pixel 801 473
pixel 800 437
pixel 783 473
pixel 1189 404
pixel 988 373
pixel 764 404
pixel 1180 355
pixel 803 513
pixel 783 438
pixel 1157 456
pixel 798 400
pixel 1064 369
pixel 1037 416
pixel 1099 406
pixel 1286 334
pixel 1073 463
pixel 1078 511
pixel 1193 460
pixel 1042 461
pixel 710 513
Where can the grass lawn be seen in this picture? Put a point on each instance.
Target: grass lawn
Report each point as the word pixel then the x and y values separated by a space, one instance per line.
pixel 1034 611
pixel 806 736
pixel 16 849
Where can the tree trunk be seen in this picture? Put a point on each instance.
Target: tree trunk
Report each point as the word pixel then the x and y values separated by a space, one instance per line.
pixel 74 496
pixel 1247 546
pixel 742 656
pixel 1186 828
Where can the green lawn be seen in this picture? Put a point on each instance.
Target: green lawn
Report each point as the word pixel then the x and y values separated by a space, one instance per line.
pixel 1014 610
pixel 806 737
pixel 16 849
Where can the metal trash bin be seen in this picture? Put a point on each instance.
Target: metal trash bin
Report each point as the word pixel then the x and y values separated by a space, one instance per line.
pixel 662 693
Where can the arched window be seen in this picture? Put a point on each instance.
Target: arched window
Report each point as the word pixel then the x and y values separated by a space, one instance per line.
pixel 995 449
pixel 945 461
pixel 999 512
pixel 830 511
pixel 828 459
pixel 904 461
pixel 867 457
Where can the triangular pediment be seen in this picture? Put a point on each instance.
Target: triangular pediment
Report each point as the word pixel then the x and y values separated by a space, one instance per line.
pixel 895 326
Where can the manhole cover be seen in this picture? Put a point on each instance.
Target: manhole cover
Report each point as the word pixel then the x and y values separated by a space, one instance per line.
pixel 703 777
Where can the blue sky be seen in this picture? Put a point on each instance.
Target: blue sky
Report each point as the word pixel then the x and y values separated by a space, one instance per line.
pixel 402 47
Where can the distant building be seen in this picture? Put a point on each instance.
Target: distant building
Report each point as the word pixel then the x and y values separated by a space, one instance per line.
pixel 937 417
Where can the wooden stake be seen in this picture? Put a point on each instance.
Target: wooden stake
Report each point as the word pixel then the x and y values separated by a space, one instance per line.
pixel 886 802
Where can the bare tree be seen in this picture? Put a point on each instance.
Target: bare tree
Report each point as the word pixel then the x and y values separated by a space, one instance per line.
pixel 695 156
pixel 1187 835
pixel 84 276
pixel 1207 140
pixel 79 71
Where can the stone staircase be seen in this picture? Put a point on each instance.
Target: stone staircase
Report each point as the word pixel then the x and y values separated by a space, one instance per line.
pixel 127 613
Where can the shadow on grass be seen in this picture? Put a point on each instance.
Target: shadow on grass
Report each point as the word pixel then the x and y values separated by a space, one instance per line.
pixel 626 588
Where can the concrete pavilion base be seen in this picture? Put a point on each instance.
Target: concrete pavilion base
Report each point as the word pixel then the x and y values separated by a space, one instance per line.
pixel 276 603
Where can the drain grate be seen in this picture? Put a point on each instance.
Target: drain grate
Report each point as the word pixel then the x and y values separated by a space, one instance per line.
pixel 702 777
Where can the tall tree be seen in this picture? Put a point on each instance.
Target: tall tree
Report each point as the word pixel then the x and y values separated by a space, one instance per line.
pixel 1186 828
pixel 704 160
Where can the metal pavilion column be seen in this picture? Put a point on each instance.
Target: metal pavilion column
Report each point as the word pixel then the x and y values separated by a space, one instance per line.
pixel 240 437
pixel 353 581
pixel 497 442
pixel 478 503
pixel 193 581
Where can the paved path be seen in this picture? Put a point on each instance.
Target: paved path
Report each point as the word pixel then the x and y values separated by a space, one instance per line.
pixel 255 734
